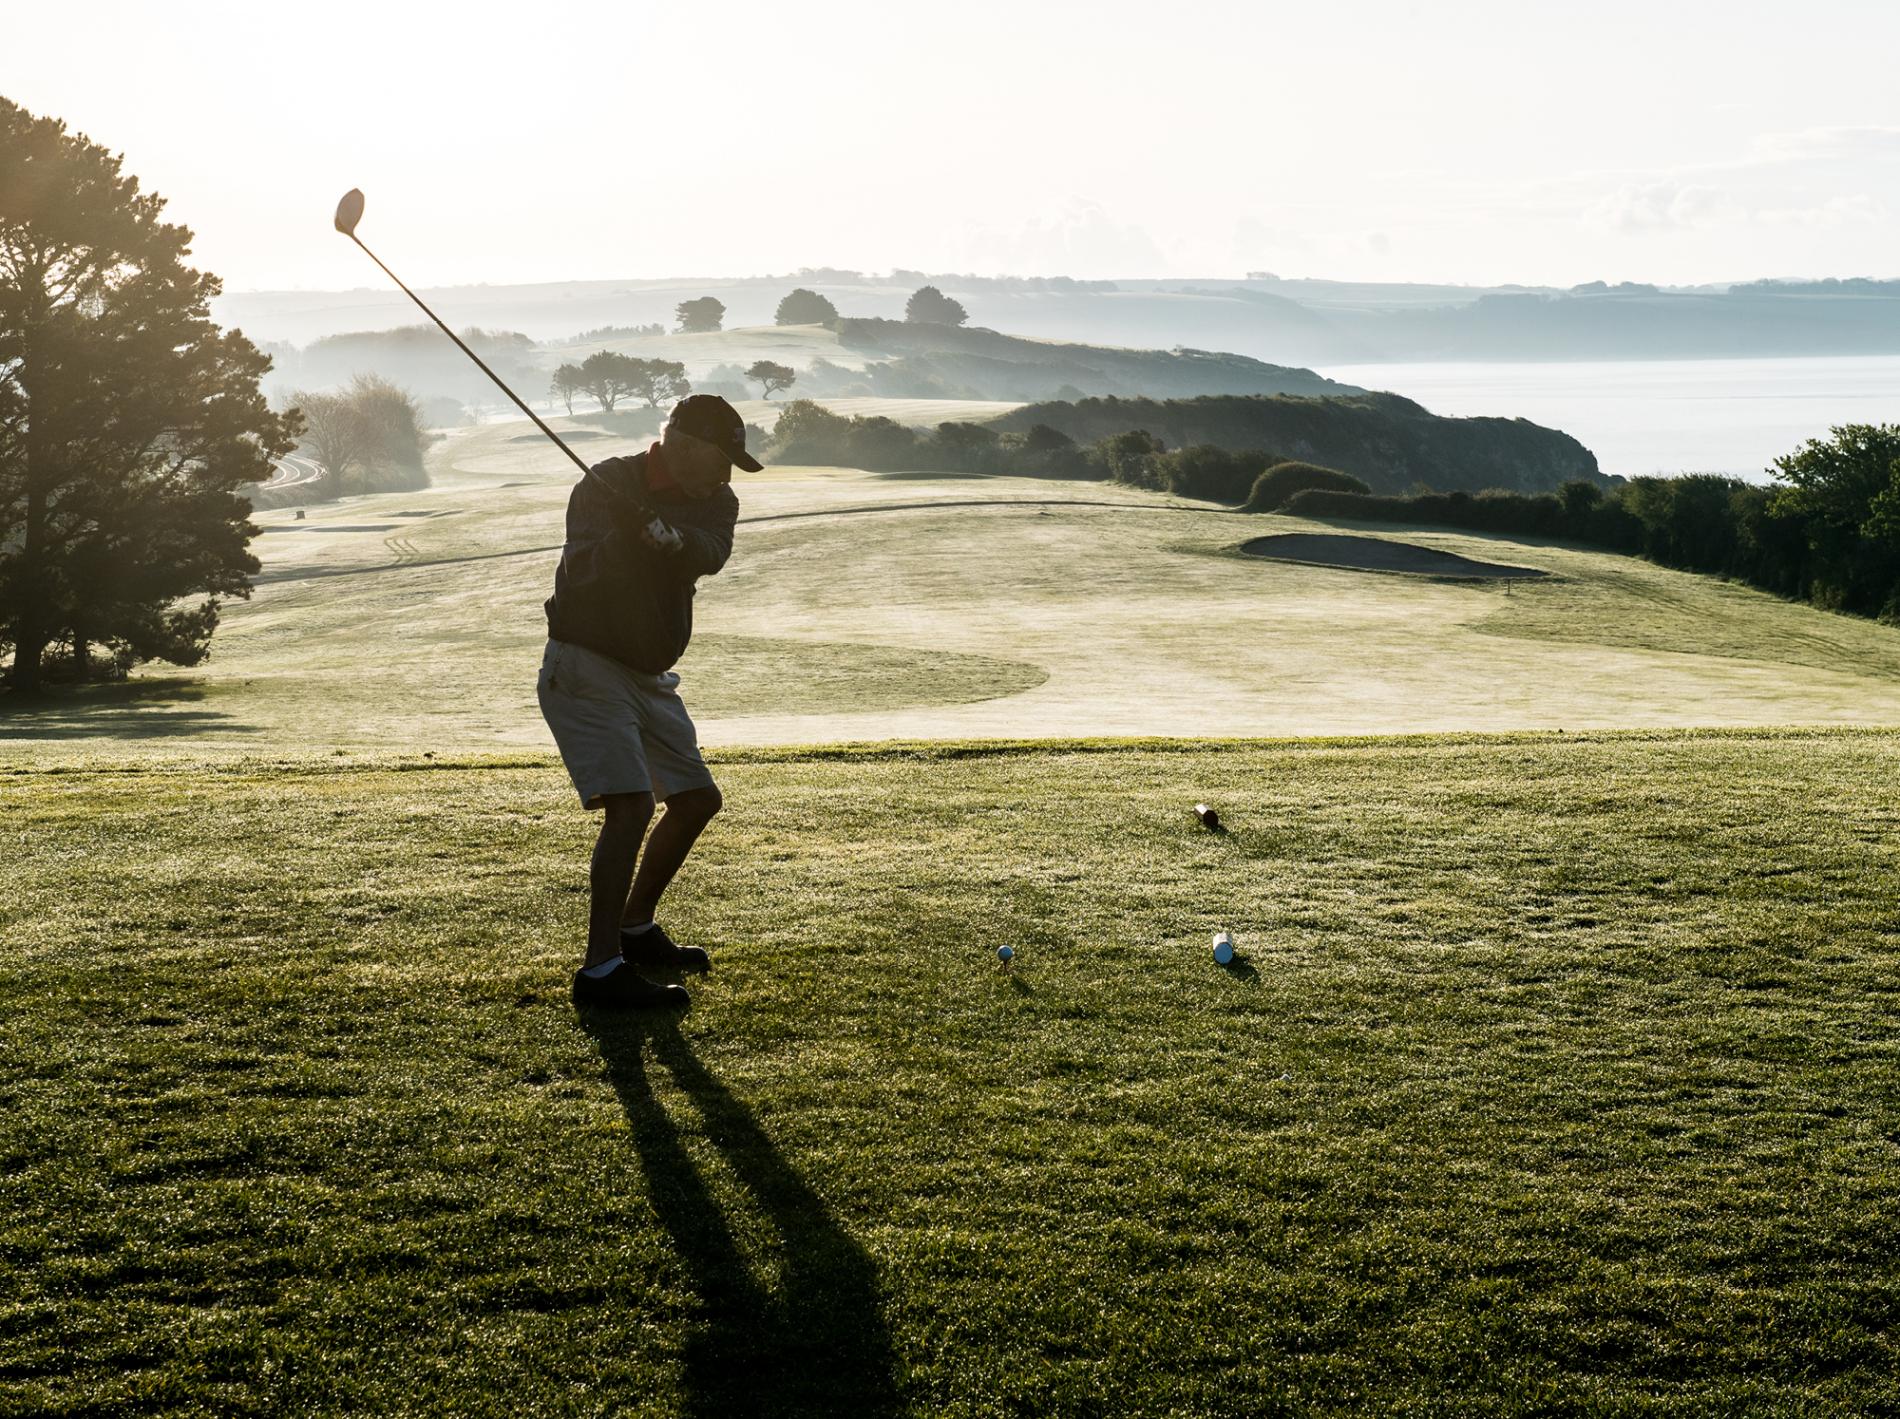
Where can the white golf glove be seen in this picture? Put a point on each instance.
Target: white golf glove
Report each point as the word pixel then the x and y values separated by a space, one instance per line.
pixel 664 537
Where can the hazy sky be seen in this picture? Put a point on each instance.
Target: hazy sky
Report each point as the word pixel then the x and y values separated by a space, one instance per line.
pixel 1463 140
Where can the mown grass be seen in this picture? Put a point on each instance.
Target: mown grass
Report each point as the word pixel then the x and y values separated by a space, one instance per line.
pixel 1560 1075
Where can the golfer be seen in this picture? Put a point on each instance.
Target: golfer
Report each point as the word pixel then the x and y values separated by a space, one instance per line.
pixel 620 616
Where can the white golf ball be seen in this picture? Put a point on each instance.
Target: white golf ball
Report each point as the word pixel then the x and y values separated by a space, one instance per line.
pixel 1005 953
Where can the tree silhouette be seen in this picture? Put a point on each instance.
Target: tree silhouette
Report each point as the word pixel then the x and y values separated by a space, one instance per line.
pixel 130 424
pixel 566 383
pixel 368 436
pixel 700 317
pixel 334 431
pixel 772 376
pixel 659 381
pixel 805 307
pixel 929 306
pixel 610 377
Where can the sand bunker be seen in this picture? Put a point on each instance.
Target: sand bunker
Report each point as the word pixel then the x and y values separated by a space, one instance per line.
pixel 1373 554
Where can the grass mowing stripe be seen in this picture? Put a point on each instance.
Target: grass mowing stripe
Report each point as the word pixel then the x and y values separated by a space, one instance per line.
pixel 1561 1074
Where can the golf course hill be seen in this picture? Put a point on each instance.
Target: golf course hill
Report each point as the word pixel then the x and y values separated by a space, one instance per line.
pixel 899 605
pixel 914 357
pixel 1389 441
pixel 921 360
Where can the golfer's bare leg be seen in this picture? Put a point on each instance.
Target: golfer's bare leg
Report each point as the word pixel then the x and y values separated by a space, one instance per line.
pixel 623 823
pixel 681 822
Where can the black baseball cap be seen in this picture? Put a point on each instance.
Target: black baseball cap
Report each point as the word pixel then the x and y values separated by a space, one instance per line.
pixel 708 417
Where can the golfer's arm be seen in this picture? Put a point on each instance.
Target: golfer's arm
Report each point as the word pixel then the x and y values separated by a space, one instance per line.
pixel 703 551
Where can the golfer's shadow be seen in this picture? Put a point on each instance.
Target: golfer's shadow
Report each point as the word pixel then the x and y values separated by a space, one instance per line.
pixel 812 1342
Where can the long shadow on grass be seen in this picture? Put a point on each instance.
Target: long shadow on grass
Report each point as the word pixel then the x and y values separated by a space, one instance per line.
pixel 145 708
pixel 812 1342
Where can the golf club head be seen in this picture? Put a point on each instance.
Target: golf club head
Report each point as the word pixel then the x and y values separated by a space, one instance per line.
pixel 349 211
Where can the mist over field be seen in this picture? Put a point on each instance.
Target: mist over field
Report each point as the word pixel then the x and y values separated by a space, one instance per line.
pixel 1288 321
pixel 1716 379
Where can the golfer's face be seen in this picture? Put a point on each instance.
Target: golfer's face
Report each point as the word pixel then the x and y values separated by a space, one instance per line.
pixel 697 466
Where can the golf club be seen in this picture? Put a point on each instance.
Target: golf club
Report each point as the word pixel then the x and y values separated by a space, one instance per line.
pixel 349 212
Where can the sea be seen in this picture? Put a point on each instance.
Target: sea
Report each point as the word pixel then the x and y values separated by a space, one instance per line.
pixel 1662 416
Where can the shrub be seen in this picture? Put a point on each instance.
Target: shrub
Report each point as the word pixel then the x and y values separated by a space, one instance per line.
pixel 929 306
pixel 1273 488
pixel 810 433
pixel 1215 474
pixel 968 448
pixel 881 444
pixel 805 307
pixel 1133 457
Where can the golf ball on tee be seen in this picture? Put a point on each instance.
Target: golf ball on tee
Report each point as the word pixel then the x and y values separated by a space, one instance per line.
pixel 1005 954
pixel 1223 948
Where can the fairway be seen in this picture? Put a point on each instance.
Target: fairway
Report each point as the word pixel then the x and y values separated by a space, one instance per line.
pixel 1558 1075
pixel 862 606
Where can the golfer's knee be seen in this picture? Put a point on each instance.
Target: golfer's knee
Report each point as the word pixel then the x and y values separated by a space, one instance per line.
pixel 626 810
pixel 699 803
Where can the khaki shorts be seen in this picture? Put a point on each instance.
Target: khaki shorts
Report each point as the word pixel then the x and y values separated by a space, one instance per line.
pixel 619 730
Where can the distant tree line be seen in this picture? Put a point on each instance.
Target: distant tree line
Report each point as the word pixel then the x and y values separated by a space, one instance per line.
pixel 1386 439
pixel 1828 286
pixel 616 332
pixel 1826 531
pixel 810 433
pixel 841 276
pixel 800 306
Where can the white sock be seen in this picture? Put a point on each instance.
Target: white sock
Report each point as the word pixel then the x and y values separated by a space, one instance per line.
pixel 605 968
pixel 641 930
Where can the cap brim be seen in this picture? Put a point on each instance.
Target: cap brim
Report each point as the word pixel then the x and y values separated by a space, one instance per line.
pixel 744 460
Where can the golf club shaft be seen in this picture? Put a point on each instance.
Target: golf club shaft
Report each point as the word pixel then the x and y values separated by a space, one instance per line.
pixel 637 503
pixel 472 355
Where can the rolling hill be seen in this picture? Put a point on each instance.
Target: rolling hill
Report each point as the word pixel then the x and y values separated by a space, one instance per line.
pixel 1388 440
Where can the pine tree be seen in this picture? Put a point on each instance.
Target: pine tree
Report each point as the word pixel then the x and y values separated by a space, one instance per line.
pixel 129 422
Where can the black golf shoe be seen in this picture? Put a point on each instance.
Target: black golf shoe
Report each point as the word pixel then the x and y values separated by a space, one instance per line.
pixel 655 950
pixel 624 988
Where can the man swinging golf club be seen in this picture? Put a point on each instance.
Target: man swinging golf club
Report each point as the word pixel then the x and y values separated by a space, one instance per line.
pixel 641 531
